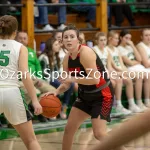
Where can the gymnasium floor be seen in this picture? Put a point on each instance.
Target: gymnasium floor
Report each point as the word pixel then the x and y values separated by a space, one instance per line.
pixel 50 137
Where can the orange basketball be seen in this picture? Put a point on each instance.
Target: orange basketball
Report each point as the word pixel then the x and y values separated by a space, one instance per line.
pixel 51 106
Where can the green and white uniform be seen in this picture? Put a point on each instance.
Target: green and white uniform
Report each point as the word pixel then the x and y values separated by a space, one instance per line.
pixel 11 100
pixel 146 48
pixel 115 56
pixel 103 55
pixel 128 52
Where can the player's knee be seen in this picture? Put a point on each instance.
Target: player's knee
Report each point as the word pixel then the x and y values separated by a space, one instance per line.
pixel 99 135
pixel 128 82
pixel 31 141
pixel 70 129
pixel 119 81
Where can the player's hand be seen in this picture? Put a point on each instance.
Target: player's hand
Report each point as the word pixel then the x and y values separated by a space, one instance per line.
pixel 38 84
pixel 37 108
pixel 129 42
pixel 49 93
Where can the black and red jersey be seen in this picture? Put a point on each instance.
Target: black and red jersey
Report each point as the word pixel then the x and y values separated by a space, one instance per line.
pixel 75 65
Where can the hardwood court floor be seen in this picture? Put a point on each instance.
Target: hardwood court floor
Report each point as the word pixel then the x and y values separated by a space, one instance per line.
pixel 84 140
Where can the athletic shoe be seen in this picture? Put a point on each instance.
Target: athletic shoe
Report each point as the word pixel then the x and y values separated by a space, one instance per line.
pixel 135 109
pixel 48 28
pixel 142 107
pixel 61 27
pixel 123 110
pixel 115 113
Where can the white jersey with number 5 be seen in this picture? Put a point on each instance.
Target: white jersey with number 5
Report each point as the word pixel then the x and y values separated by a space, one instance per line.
pixel 9 58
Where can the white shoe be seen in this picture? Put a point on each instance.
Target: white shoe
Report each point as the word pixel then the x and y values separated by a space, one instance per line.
pixel 142 107
pixel 147 105
pixel 48 28
pixel 61 27
pixel 135 109
pixel 123 110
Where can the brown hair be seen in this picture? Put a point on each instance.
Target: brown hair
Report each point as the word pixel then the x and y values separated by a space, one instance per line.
pixel 71 27
pixel 112 33
pixel 49 52
pixel 8 25
pixel 97 35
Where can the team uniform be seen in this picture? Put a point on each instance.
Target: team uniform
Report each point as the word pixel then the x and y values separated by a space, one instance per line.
pixel 147 50
pixel 128 52
pixel 115 56
pixel 102 55
pixel 12 103
pixel 97 99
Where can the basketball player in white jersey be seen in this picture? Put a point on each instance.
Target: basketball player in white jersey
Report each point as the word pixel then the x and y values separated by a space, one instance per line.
pixel 131 57
pixel 14 60
pixel 101 50
pixel 119 67
pixel 144 50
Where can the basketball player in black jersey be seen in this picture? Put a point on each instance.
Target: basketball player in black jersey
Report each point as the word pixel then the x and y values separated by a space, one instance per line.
pixel 95 96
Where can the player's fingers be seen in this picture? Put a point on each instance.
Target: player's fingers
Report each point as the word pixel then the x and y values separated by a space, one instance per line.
pixel 40 110
pixel 37 111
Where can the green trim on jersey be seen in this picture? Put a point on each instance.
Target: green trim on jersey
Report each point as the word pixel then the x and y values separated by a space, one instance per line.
pixel 23 98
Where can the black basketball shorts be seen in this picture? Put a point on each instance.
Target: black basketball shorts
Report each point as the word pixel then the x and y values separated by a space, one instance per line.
pixel 96 104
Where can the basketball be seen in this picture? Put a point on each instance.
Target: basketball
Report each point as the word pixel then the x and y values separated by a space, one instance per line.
pixel 51 106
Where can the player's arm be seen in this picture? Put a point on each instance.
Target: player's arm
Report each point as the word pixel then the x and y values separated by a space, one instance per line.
pixel 136 53
pixel 121 62
pixel 114 65
pixel 88 60
pixel 129 62
pixel 145 59
pixel 128 131
pixel 26 79
pixel 65 85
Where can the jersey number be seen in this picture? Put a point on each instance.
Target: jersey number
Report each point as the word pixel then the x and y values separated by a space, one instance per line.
pixel 4 59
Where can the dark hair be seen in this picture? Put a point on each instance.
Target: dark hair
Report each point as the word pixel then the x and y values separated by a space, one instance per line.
pixel 8 25
pixel 124 32
pixel 55 32
pixel 71 27
pixel 49 52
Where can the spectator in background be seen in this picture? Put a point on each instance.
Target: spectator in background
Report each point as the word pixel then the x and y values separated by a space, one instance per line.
pixel 58 36
pixel 34 67
pixel 3 10
pixel 61 12
pixel 82 38
pixel 90 11
pixel 41 17
pixel 119 12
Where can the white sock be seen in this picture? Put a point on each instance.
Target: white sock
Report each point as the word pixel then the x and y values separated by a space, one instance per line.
pixel 118 102
pixel 131 102
pixel 139 102
pixel 146 101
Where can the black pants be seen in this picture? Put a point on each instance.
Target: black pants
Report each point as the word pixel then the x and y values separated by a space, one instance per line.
pixel 3 10
pixel 121 11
